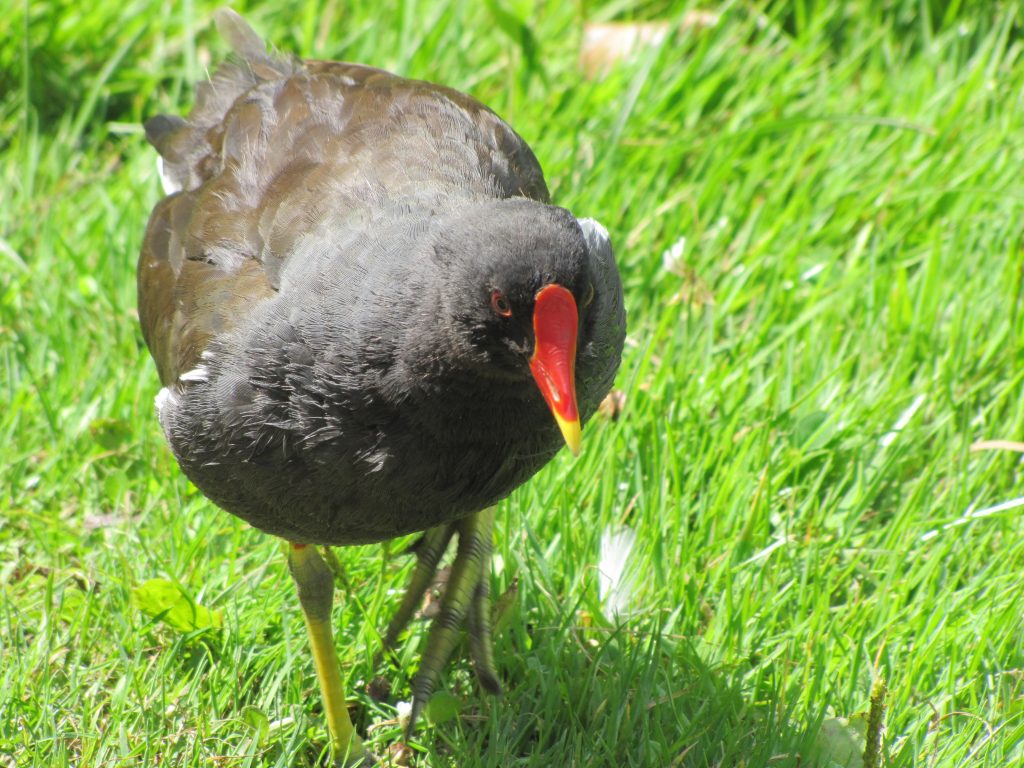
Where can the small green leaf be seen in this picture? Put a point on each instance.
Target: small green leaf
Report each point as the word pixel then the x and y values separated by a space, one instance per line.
pixel 442 707
pixel 807 427
pixel 111 434
pixel 87 286
pixel 164 600
pixel 256 719
pixel 841 743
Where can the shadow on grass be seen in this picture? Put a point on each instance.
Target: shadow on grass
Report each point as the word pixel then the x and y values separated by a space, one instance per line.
pixel 580 696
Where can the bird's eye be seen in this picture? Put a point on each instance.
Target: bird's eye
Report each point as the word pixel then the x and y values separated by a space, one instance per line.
pixel 500 304
pixel 588 295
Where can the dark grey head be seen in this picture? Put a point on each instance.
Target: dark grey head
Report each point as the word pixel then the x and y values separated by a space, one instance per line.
pixel 496 259
pixel 519 285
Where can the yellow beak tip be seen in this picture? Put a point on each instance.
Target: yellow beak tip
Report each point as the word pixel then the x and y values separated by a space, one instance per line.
pixel 571 432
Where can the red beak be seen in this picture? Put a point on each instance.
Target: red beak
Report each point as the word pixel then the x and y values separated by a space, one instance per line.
pixel 555 324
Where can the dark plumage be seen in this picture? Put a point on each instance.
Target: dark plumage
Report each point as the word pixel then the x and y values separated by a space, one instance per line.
pixel 318 292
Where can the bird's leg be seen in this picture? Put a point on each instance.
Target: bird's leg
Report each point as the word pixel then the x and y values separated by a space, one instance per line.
pixel 480 623
pixel 465 597
pixel 428 549
pixel 315 585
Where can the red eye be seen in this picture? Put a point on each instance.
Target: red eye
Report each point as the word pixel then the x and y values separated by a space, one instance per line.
pixel 500 304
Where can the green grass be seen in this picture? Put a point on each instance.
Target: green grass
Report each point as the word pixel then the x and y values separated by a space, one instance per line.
pixel 850 185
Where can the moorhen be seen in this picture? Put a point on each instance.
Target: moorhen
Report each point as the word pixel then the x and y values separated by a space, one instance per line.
pixel 368 321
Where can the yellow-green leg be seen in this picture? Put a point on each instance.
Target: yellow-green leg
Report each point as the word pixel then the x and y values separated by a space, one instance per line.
pixel 315 585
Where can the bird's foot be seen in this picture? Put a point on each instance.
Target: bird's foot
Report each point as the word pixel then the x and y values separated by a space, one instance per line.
pixel 466 600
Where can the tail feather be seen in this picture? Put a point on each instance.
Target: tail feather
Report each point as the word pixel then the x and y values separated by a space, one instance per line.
pixel 184 145
pixel 250 47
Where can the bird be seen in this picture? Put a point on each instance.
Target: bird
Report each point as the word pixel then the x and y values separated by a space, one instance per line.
pixel 368 320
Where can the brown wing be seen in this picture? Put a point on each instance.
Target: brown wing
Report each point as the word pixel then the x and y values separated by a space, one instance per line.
pixel 274 145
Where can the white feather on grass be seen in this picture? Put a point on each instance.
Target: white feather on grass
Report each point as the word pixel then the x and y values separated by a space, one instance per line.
pixel 615 576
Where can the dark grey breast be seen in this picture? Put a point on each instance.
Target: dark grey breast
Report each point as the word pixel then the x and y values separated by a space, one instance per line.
pixel 308 290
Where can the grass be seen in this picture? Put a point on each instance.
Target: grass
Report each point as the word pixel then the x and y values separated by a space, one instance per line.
pixel 804 383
